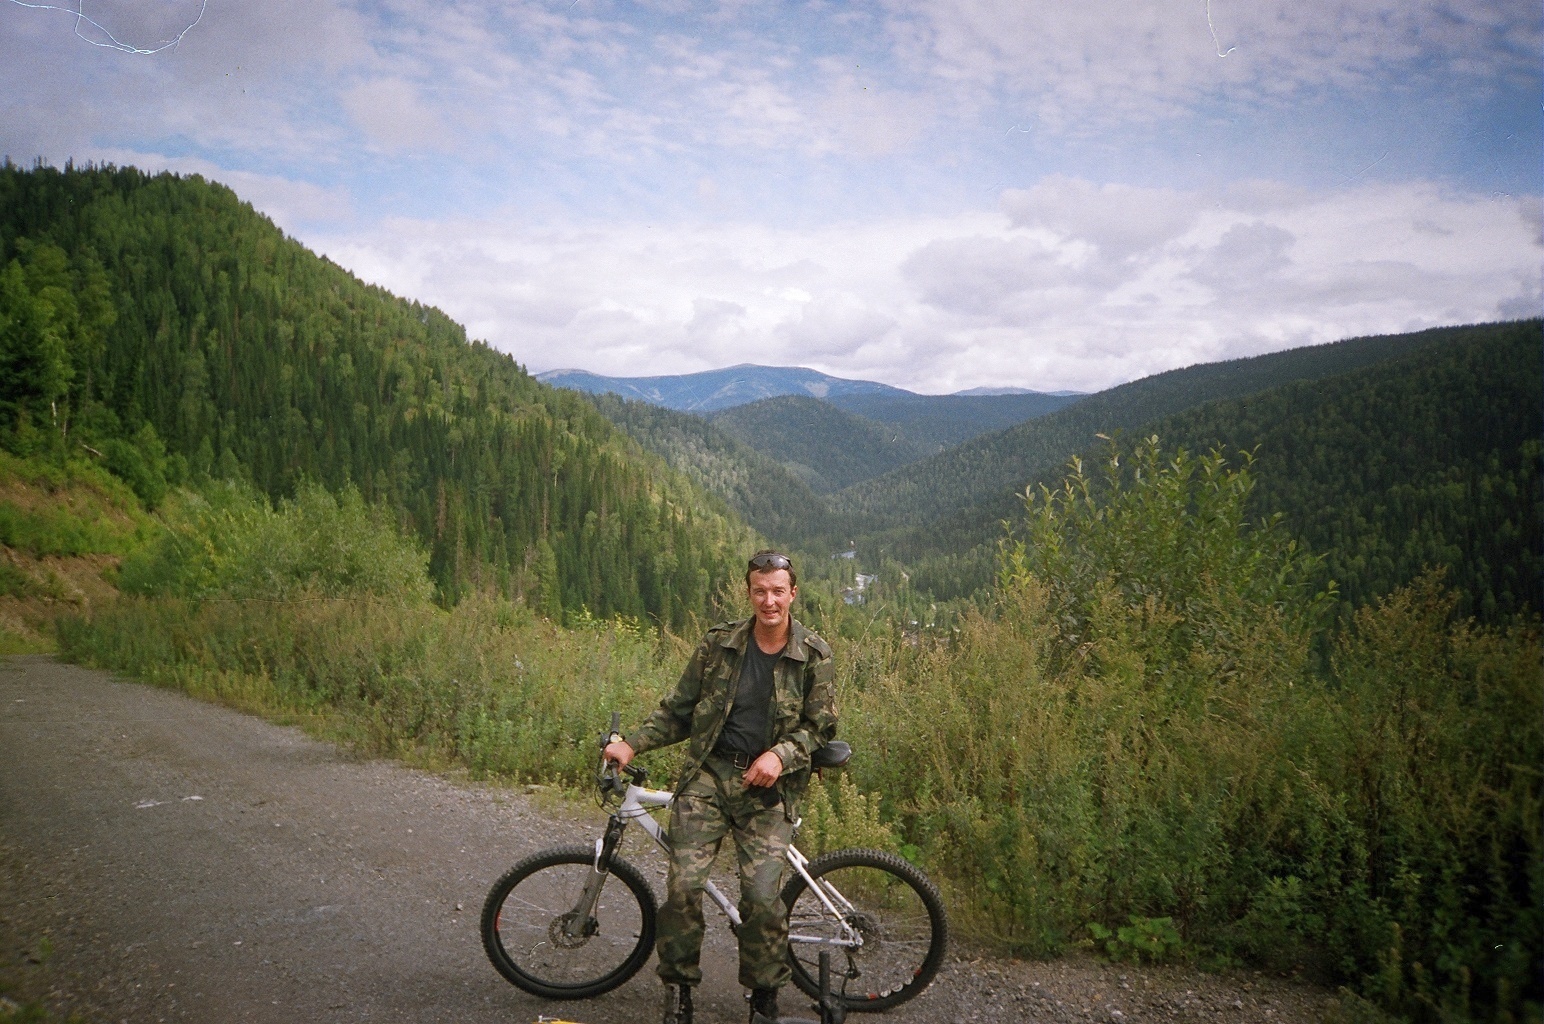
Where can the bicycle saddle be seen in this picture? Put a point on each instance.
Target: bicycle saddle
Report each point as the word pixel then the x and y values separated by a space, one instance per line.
pixel 832 755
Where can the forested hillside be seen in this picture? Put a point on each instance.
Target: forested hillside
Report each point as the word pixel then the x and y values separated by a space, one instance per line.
pixel 765 494
pixel 163 326
pixel 936 422
pixel 1386 455
pixel 988 467
pixel 825 444
pixel 822 445
pixel 1429 459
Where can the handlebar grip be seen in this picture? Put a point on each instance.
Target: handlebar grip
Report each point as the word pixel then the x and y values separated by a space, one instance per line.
pixel 613 734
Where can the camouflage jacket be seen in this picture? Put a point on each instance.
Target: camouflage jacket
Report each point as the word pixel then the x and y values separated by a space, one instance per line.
pixel 803 712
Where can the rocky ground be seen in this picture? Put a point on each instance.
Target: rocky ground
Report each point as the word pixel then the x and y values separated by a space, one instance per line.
pixel 163 859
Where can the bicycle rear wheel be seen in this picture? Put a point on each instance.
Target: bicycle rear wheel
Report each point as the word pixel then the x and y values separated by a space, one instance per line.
pixel 892 907
pixel 528 932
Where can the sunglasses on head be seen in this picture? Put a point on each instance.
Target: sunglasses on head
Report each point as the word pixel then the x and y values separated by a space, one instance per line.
pixel 769 562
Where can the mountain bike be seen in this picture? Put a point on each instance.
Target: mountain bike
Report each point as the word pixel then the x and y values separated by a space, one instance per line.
pixel 572 922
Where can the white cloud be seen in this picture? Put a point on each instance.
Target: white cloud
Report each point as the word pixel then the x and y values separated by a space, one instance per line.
pixel 978 275
pixel 633 93
pixel 837 324
pixel 394 117
pixel 1249 257
pixel 1041 295
pixel 1118 220
pixel 1108 60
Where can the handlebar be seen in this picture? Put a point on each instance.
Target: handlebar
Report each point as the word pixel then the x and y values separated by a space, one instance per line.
pixel 609 780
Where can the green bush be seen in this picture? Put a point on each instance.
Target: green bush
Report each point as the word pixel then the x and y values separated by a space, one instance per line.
pixel 140 462
pixel 14 582
pixel 838 816
pixel 1137 732
pixel 1435 751
pixel 1170 536
pixel 228 542
pixel 1145 938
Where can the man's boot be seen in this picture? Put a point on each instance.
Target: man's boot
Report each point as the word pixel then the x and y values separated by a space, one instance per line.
pixel 763 1003
pixel 678 1004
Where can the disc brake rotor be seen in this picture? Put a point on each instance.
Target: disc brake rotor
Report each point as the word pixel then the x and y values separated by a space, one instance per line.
pixel 563 937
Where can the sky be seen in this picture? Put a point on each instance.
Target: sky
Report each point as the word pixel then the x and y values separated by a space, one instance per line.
pixel 935 194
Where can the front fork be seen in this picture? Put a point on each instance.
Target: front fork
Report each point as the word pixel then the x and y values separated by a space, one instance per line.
pixel 580 922
pixel 606 845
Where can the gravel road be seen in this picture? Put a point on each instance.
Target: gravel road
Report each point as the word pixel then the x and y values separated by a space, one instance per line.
pixel 163 859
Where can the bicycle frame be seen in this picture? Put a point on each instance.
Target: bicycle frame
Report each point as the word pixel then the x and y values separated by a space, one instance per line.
pixel 635 807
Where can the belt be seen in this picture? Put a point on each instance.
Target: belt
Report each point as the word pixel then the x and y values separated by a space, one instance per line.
pixel 739 760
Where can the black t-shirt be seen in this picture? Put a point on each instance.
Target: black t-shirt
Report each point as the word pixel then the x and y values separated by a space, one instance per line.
pixel 749 727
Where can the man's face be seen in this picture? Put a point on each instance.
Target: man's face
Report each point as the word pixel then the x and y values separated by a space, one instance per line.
pixel 771 593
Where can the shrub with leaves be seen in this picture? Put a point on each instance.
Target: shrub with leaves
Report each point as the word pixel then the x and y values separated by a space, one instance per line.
pixel 837 815
pixel 227 541
pixel 1166 535
pixel 1136 732
pixel 1144 938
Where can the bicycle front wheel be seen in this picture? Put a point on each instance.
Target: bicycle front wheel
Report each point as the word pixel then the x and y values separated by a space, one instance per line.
pixel 532 932
pixel 882 900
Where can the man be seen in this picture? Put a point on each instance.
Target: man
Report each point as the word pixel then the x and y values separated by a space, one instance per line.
pixel 756 700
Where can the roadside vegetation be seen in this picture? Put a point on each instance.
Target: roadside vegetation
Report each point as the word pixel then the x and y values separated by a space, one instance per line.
pixel 1137 747
pixel 1142 733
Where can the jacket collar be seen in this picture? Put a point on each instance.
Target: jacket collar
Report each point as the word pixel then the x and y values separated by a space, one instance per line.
pixel 740 636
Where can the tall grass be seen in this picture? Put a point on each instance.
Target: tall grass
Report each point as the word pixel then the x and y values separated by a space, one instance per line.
pixel 53 531
pixel 487 686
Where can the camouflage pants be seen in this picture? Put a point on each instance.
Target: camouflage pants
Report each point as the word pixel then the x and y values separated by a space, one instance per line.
pixel 713 804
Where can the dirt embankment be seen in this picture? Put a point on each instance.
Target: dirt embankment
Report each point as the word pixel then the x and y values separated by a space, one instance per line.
pixel 61 532
pixel 163 859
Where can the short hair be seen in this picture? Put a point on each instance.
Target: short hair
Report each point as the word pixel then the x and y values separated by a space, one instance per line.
pixel 768 560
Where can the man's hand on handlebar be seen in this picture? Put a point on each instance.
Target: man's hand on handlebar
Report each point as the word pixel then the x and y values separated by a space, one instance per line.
pixel 620 752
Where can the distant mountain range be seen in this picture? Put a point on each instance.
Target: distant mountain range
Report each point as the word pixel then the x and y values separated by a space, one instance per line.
pixel 1383 454
pixel 990 391
pixel 712 390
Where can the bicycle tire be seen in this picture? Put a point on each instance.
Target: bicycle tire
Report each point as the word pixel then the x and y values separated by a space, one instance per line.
pixel 897 910
pixel 523 913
